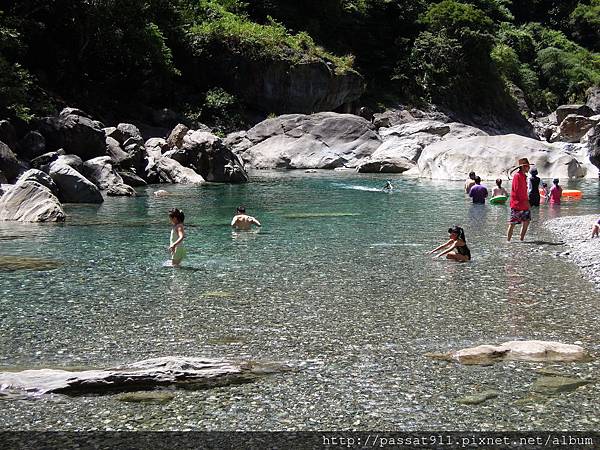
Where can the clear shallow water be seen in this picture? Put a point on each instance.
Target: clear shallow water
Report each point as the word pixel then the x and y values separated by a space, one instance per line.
pixel 336 281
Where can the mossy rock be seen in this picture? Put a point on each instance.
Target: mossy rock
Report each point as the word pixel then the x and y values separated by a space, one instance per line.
pixel 159 397
pixel 476 399
pixel 10 263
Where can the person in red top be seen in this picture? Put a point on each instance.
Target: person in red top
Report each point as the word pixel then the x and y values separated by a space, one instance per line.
pixel 519 200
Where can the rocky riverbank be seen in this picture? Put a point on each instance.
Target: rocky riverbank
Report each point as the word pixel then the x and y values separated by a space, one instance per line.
pixel 72 158
pixel 582 249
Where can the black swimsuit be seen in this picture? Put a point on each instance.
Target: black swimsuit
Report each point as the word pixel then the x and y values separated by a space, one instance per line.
pixel 463 250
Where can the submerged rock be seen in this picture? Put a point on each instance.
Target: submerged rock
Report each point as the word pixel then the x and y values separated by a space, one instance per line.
pixel 181 372
pixel 160 397
pixel 521 351
pixel 476 399
pixel 555 385
pixel 11 263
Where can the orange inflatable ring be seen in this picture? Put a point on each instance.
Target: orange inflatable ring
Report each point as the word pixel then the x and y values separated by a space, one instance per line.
pixel 573 193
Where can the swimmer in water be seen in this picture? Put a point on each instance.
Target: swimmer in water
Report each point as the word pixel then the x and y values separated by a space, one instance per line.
pixel 388 186
pixel 242 221
pixel 458 243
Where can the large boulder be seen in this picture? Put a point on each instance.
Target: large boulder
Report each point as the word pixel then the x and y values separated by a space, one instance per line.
pixel 170 371
pixel 126 132
pixel 9 164
pixel 237 142
pixel 402 144
pixel 593 99
pixel 41 178
pixel 167 170
pixel 539 351
pixel 31 145
pixel 318 141
pixel 175 139
pixel 492 156
pixel 101 172
pixel 564 110
pixel 8 134
pixel 392 117
pixel 73 132
pixel 115 152
pixel 131 178
pixel 73 161
pixel 573 128
pixel 207 155
pixel 72 186
pixel 593 145
pixel 46 159
pixel 29 201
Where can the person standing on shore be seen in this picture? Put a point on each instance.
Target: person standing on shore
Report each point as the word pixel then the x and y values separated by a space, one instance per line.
pixel 533 188
pixel 470 182
pixel 519 200
pixel 555 193
pixel 478 192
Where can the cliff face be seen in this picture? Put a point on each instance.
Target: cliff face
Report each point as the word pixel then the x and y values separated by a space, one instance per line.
pixel 282 86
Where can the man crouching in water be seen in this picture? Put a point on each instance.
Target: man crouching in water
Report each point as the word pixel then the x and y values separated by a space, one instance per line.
pixel 242 221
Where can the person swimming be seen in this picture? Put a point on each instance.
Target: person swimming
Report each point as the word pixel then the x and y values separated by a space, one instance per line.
pixel 178 251
pixel 242 221
pixel 388 186
pixel 499 190
pixel 458 243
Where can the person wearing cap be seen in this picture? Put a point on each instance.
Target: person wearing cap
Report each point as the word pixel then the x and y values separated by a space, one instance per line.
pixel 519 200
pixel 478 192
pixel 458 243
pixel 533 188
pixel 555 193
pixel 242 221
pixel 470 182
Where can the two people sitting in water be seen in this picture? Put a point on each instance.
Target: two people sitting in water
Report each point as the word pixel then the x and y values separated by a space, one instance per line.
pixel 456 247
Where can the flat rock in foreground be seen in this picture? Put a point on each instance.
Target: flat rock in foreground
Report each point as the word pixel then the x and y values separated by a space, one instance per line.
pixel 520 351
pixel 182 372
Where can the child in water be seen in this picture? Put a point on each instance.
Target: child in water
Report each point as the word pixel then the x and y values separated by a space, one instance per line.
pixel 596 229
pixel 555 193
pixel 458 243
pixel 176 248
pixel 546 191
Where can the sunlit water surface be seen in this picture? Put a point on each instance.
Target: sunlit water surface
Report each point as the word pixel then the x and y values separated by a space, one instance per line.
pixel 336 282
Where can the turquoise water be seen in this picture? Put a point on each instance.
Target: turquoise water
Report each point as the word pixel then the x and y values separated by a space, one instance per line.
pixel 336 282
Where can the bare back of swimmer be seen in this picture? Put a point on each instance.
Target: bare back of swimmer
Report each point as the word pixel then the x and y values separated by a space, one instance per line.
pixel 242 221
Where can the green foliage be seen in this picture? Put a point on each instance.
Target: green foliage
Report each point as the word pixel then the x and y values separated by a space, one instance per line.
pixel 256 41
pixel 585 24
pixel 457 18
pixel 219 109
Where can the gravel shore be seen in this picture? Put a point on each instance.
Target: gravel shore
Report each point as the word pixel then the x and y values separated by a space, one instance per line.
pixel 584 251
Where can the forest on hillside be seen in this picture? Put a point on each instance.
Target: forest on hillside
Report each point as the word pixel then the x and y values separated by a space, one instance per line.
pixel 121 56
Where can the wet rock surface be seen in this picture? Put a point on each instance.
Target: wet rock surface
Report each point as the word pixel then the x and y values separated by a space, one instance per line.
pixel 520 351
pixel 584 250
pixel 181 372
